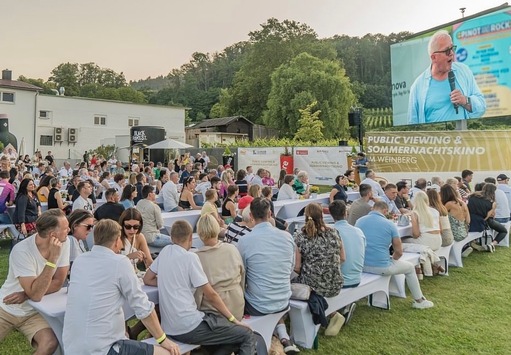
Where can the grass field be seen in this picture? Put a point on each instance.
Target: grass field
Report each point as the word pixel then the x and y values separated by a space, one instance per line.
pixel 471 316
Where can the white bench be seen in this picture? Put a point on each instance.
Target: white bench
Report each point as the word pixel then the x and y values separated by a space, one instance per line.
pixel 443 253
pixel 397 282
pixel 457 248
pixel 303 329
pixel 263 327
pixel 183 348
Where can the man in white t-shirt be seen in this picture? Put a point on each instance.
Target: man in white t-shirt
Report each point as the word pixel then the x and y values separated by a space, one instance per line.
pixel 102 281
pixel 178 273
pixel 83 201
pixel 170 194
pixel 66 171
pixel 38 265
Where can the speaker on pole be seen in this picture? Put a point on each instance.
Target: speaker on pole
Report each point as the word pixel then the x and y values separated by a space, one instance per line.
pixel 354 119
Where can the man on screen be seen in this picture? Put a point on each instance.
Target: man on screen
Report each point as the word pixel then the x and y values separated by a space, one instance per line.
pixel 436 98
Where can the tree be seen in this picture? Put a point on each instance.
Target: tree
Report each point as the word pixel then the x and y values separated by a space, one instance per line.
pixel 304 80
pixel 67 75
pixel 46 86
pixel 310 126
pixel 275 44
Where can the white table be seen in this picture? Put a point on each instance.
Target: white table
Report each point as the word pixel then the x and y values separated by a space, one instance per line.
pixel 290 208
pixel 353 195
pixel 191 216
pixel 405 231
pixel 53 308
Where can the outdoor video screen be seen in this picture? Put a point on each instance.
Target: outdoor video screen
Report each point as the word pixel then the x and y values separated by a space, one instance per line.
pixel 483 46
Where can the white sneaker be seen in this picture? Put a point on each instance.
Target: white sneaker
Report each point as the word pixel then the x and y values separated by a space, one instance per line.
pixel 423 305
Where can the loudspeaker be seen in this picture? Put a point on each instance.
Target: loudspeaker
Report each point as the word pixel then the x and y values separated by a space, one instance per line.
pixel 71 135
pixel 354 118
pixel 57 134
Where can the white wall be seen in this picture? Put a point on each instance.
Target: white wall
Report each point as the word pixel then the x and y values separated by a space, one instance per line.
pixel 21 116
pixel 71 112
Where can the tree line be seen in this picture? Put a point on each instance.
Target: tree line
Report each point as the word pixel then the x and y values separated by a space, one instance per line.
pixel 281 69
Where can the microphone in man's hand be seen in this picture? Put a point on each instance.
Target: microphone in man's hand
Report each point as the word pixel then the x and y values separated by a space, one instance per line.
pixel 452 83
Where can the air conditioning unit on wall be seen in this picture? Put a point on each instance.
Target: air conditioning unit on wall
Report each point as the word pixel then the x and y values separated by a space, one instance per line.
pixel 72 135
pixel 58 134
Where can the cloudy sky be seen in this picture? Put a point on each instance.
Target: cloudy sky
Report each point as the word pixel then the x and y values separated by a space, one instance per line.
pixel 149 38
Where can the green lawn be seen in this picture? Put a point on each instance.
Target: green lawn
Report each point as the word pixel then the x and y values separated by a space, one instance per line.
pixel 471 316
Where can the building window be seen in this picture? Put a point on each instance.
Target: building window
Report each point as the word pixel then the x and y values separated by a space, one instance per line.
pixel 45 115
pixel 46 140
pixel 100 120
pixel 132 122
pixel 7 97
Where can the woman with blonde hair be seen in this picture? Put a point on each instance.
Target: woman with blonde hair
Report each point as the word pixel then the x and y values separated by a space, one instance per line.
pixel 319 255
pixel 446 232
pixel 425 223
pixel 254 191
pixel 223 266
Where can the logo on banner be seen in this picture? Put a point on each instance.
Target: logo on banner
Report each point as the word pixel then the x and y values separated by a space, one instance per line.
pixel 302 152
pixel 139 136
pixel 259 152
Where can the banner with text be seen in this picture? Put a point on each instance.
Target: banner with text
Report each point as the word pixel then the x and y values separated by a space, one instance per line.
pixel 439 151
pixel 267 158
pixel 322 164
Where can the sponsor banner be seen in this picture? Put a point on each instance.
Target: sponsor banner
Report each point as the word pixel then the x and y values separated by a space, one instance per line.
pixel 267 158
pixel 435 151
pixel 322 164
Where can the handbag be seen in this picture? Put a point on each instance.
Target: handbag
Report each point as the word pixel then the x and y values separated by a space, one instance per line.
pixel 300 292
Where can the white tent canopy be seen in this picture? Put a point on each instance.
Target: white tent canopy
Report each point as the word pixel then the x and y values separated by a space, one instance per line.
pixel 169 144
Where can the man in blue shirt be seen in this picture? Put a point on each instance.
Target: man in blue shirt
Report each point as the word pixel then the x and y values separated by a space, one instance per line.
pixel 431 97
pixel 380 233
pixel 268 256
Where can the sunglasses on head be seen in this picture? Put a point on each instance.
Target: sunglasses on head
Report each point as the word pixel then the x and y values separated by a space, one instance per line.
pixel 88 226
pixel 135 227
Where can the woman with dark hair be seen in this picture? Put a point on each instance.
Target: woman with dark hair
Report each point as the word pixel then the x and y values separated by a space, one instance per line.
pixel 481 205
pixel 229 207
pixel 282 175
pixel 319 255
pixel 241 182
pixel 186 201
pixel 13 179
pixel 27 208
pixel 42 190
pixel 352 184
pixel 81 223
pixel 28 163
pixel 338 192
pixel 128 195
pixel 459 216
pixel 445 225
pixel 103 180
pixel 286 191
pixel 55 198
pixel 133 241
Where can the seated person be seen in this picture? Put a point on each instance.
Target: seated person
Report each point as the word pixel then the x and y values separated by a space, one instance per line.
pixel 112 209
pixel 223 266
pixel 380 234
pixel 425 223
pixel 237 229
pixel 286 191
pixel 229 207
pixel 186 201
pixel 176 268
pixel 301 184
pixel 338 190
pixel 268 286
pixel 101 282
pixel 38 265
pixel 153 220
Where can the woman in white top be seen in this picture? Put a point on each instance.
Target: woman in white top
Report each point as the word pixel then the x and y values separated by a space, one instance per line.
pixel 286 191
pixel 426 226
pixel 81 223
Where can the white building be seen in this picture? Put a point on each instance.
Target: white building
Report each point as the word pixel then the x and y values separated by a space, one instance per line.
pixel 68 126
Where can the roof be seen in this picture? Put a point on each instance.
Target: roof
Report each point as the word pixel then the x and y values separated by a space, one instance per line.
pixel 222 121
pixel 19 85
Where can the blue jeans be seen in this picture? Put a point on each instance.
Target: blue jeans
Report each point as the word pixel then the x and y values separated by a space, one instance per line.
pixel 502 220
pixel 160 240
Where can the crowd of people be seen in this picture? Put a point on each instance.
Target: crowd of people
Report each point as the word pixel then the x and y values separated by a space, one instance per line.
pixel 204 293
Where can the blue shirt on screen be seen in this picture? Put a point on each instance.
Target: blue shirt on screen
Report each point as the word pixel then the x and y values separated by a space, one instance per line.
pixel 268 255
pixel 379 232
pixel 354 244
pixel 421 105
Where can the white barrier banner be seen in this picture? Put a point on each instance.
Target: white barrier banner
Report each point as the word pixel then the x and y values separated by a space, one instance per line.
pixel 322 164
pixel 267 158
